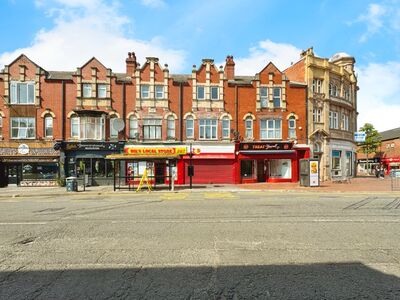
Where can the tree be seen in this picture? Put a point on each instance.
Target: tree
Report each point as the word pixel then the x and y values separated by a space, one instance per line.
pixel 372 140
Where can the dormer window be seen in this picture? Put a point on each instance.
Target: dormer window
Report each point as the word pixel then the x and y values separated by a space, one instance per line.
pixel 214 93
pixel 87 90
pixel 200 92
pixel 145 91
pixel 22 92
pixel 159 89
pixel 101 90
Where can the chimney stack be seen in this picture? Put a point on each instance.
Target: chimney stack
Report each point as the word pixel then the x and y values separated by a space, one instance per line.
pixel 131 64
pixel 229 68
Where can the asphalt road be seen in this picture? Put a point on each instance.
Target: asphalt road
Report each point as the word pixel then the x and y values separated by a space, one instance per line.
pixel 212 245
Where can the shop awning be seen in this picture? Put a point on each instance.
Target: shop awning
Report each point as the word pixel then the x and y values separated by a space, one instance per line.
pixel 140 157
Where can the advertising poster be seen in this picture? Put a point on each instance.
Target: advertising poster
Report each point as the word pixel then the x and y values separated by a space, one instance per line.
pixel 314 173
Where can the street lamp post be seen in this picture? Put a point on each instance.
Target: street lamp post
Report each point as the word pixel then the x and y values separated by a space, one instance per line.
pixel 190 171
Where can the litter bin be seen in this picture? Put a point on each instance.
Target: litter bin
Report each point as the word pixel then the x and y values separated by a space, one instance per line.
pixel 71 184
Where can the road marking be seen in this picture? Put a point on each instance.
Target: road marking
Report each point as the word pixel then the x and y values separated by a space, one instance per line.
pixel 24 223
pixel 218 195
pixel 173 196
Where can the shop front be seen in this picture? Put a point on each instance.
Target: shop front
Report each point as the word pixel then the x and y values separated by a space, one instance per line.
pixel 367 167
pixel 269 162
pixel 29 164
pixel 86 161
pixel 390 163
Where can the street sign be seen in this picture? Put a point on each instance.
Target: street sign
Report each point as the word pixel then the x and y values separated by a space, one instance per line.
pixel 359 136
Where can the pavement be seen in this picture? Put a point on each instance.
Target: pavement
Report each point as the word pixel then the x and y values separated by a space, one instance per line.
pixel 355 185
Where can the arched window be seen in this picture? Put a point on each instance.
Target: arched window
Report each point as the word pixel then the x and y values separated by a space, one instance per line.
pixel 225 127
pixel 292 127
pixel 48 126
pixel 248 124
pixel 189 127
pixel 74 126
pixel 113 131
pixel 171 127
pixel 133 127
pixel 317 148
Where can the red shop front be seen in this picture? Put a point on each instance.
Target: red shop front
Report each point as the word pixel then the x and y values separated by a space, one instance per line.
pixel 212 164
pixel 390 163
pixel 269 162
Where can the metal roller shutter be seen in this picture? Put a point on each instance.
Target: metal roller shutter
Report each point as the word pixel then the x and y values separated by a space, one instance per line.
pixel 211 171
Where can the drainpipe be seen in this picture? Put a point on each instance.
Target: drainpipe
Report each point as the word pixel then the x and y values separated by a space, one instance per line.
pixel 124 107
pixel 307 115
pixel 181 112
pixel 63 110
pixel 236 109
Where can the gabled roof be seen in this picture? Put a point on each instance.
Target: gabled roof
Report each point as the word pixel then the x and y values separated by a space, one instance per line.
pixel 270 64
pixel 390 134
pixel 27 58
pixel 94 59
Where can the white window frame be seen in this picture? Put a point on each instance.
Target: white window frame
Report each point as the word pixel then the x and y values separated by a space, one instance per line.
pixel 333 120
pixel 189 127
pixel 264 98
pixel 345 122
pixel 226 124
pixel 133 127
pixel 102 90
pixel 317 85
pixel 75 126
pixel 292 128
pixel 152 129
pixel 212 89
pixel 16 94
pixel 23 132
pixel 88 127
pixel 159 91
pixel 248 124
pixel 47 127
pixel 277 97
pixel 269 129
pixel 113 132
pixel 208 129
pixel 145 91
pixel 171 127
pixel 317 115
pixel 197 92
pixel 86 90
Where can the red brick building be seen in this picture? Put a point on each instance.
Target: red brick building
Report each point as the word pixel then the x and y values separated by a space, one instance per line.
pixel 56 124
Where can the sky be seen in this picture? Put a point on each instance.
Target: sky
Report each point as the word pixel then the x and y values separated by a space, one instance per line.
pixel 65 34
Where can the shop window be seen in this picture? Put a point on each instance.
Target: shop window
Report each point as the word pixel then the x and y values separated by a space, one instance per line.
pixel 349 163
pixel 336 160
pixel 271 129
pixel 189 127
pixel 264 97
pixel 152 129
pixel 42 171
pixel 247 168
pixel 277 97
pixel 144 91
pixel 133 127
pixel 48 126
pixel 101 90
pixel 171 127
pixel 317 115
pixel 113 131
pixel 280 168
pixel 214 93
pixel 249 128
pixel 200 92
pixel 225 127
pixel 292 128
pixel 137 168
pixel 87 90
pixel 22 128
pixel 22 92
pixel 208 129
pixel 159 89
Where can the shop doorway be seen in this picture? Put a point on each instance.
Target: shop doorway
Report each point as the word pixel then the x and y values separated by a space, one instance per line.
pixel 159 173
pixel 261 170
pixel 14 174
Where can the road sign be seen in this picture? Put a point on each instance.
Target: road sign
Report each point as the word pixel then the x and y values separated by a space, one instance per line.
pixel 359 136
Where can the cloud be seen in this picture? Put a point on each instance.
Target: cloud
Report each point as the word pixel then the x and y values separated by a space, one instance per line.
pixel 154 3
pixel 280 54
pixel 378 95
pixel 83 29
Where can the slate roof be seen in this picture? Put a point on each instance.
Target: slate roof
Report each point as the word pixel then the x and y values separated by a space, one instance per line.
pixel 390 134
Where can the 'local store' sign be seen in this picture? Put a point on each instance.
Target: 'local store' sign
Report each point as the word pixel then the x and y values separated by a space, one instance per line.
pixel 155 151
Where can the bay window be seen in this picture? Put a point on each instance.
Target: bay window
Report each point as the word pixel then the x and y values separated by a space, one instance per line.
pixel 22 128
pixel 87 127
pixel 208 129
pixel 333 120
